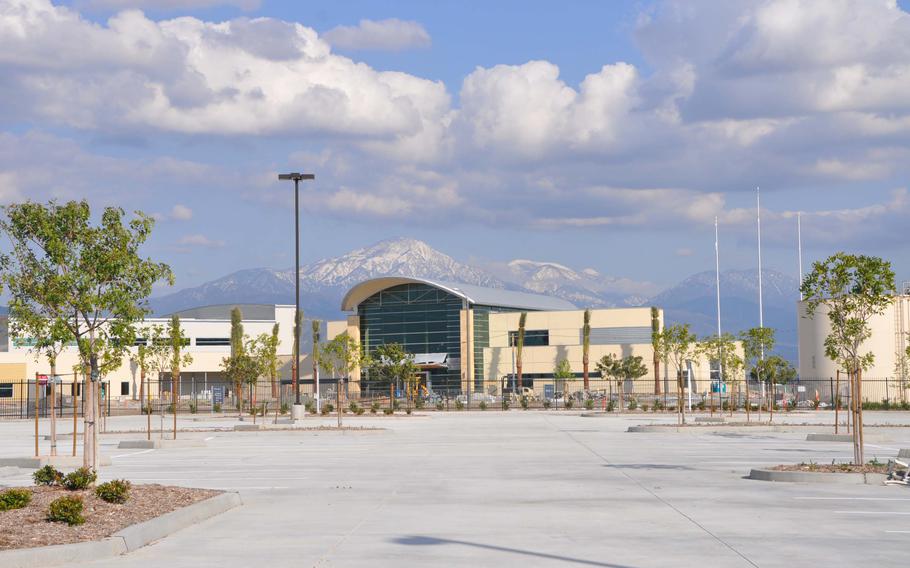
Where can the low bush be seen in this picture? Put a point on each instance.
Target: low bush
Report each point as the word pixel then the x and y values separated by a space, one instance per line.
pixel 170 408
pixel 14 499
pixel 48 475
pixel 700 405
pixel 408 411
pixel 216 407
pixel 284 408
pixel 374 408
pixel 524 402
pixel 459 405
pixel 66 509
pixel 360 410
pixel 644 407
pixel 116 491
pixel 483 405
pixel 193 408
pixel 326 408
pixel 418 403
pixel 547 403
pixel 354 407
pixel 440 406
pixel 611 406
pixel 396 405
pixel 633 404
pixel 658 405
pixel 589 404
pixel 388 411
pixel 506 404
pixel 570 403
pixel 80 479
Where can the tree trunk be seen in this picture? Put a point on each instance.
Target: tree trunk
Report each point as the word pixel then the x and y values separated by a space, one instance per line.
pixel 656 374
pixel 338 399
pixel 771 402
pixel 76 406
pixel 175 376
pixel 518 381
pixel 620 386
pixel 89 427
pixel 748 402
pixel 836 397
pixel 53 408
pixel 858 422
pixel 587 384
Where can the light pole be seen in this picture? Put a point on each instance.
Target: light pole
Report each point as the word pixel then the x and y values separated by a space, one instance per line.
pixel 295 369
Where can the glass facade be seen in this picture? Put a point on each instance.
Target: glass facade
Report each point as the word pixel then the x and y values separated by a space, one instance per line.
pixel 421 318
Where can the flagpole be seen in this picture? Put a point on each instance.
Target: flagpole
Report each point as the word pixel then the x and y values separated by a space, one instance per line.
pixel 799 248
pixel 761 310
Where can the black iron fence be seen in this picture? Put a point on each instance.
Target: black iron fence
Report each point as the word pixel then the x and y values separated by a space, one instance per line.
pixel 193 395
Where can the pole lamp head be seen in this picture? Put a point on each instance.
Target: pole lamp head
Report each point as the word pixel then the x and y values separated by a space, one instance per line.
pixel 295 176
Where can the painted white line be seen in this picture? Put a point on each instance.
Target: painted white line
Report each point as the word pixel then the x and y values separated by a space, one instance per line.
pixel 133 454
pixel 898 532
pixel 850 499
pixel 873 512
pixel 209 438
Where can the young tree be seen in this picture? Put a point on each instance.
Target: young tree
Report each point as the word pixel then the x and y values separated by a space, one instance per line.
pixel 392 363
pixel 295 362
pixel 678 343
pixel 50 338
pixel 631 368
pixel 519 347
pixel 756 342
pixel 341 356
pixel 142 358
pixel 562 372
pixel 655 346
pixel 244 368
pixel 721 350
pixel 237 351
pixel 89 279
pixel 774 369
pixel 316 357
pixel 585 349
pixel 851 289
pixel 270 360
pixel 178 359
pixel 608 367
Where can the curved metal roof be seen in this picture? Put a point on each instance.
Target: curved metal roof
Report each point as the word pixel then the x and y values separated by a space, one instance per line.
pixel 472 294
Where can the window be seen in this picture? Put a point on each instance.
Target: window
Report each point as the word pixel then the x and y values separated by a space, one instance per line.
pixel 210 341
pixel 6 390
pixel 533 337
pixel 124 388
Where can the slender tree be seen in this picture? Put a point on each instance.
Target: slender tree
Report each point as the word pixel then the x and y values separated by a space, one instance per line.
pixel 756 341
pixel 236 352
pixel 178 360
pixel 562 372
pixel 655 346
pixel 608 367
pixel 519 347
pixel 142 359
pixel 586 349
pixel 341 356
pixel 851 289
pixel 88 279
pixel 295 362
pixel 631 368
pixel 678 341
pixel 392 363
pixel 270 356
pixel 722 350
pixel 316 355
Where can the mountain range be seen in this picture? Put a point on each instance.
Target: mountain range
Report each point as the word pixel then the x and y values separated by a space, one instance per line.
pixel 693 301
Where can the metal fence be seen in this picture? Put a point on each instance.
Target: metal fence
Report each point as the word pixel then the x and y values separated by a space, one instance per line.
pixel 17 399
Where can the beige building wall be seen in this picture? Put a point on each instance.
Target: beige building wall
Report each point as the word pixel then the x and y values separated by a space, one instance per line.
pixel 888 341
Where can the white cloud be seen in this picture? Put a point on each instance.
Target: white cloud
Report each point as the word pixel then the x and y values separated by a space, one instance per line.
pixel 166 5
pixel 379 35
pixel 181 213
pixel 199 241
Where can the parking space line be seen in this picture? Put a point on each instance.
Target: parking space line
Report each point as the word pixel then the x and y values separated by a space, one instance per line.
pixel 133 454
pixel 873 512
pixel 898 532
pixel 851 499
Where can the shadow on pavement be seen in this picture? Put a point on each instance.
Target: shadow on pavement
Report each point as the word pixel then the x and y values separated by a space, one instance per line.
pixel 430 541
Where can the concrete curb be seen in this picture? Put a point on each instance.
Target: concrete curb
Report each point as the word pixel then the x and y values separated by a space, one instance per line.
pixel 56 461
pixel 129 539
pixel 710 419
pixel 829 437
pixel 818 477
pixel 159 444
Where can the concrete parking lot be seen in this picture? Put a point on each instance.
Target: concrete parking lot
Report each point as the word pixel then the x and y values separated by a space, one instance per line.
pixel 514 488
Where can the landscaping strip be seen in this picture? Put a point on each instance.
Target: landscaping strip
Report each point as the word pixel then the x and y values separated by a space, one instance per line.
pixel 818 477
pixel 126 540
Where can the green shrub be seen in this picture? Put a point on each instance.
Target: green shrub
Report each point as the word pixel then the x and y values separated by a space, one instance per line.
pixel 216 407
pixel 80 479
pixel 459 405
pixel 440 406
pixel 116 491
pixel 644 407
pixel 547 403
pixel 396 405
pixel 418 403
pixel 388 411
pixel 506 404
pixel 524 402
pixel 14 499
pixel 589 404
pixel 193 408
pixel 325 409
pixel 408 411
pixel 48 475
pixel 570 403
pixel 611 406
pixel 284 408
pixel 66 509
pixel 360 410
pixel 700 405
pixel 354 407
pixel 483 405
pixel 657 405
pixel 633 404
pixel 374 408
pixel 170 408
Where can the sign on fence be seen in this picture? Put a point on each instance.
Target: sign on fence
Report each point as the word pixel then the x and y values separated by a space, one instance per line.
pixel 42 380
pixel 548 391
pixel 217 395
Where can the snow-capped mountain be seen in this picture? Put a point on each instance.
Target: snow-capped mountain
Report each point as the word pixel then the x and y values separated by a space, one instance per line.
pixel 323 283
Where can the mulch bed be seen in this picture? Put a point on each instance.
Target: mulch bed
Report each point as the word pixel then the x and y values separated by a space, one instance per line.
pixel 833 468
pixel 28 528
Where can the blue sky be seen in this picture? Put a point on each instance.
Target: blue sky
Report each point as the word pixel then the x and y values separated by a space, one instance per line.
pixel 597 134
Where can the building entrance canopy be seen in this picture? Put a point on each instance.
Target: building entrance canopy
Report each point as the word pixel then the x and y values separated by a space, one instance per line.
pixel 432 360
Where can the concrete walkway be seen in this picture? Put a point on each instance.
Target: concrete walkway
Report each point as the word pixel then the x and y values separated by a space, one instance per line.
pixel 516 488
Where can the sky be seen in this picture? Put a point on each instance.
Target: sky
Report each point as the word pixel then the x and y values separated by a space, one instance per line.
pixel 605 135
